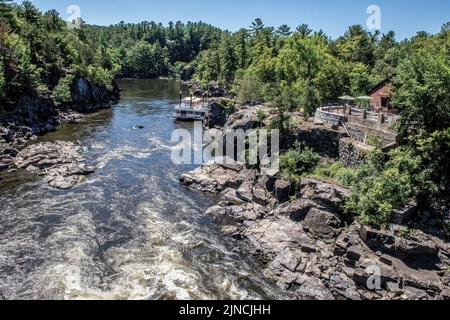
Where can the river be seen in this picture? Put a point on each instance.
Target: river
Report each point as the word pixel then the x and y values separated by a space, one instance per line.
pixel 131 231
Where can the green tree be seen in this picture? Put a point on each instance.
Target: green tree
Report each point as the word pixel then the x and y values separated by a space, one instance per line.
pixel 298 162
pixel 381 187
pixel 62 92
pixel 242 51
pixel 434 152
pixel 248 87
pixel 283 103
pixel 146 60
pixel 284 31
pixel 422 93
pixel 53 21
pixel 360 79
pixel 356 46
pixel 228 60
pixel 5 11
pixel 257 26
pixel 304 30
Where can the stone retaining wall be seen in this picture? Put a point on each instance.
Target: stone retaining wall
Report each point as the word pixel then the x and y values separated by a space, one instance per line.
pixel 352 154
pixel 360 133
pixel 322 140
pixel 328 118
pixel 358 127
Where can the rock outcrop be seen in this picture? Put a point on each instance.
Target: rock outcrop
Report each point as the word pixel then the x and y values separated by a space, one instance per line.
pixel 87 97
pixel 187 73
pixel 60 163
pixel 218 114
pixel 307 248
pixel 244 119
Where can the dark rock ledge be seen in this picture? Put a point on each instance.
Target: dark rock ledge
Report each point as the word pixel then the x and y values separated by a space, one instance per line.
pixel 308 250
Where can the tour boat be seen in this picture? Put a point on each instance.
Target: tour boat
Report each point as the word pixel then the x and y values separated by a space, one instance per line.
pixel 191 109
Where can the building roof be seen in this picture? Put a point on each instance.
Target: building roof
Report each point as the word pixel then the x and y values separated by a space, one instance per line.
pixel 382 84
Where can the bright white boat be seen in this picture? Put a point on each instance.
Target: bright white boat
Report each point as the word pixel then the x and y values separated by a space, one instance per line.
pixel 194 109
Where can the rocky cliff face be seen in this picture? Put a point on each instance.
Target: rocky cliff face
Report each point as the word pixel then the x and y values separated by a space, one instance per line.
pixel 87 97
pixel 187 73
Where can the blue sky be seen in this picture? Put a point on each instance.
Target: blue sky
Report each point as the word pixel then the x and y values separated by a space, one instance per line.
pixel 405 17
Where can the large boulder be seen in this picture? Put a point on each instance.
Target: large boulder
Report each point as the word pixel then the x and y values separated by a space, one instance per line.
pixel 35 109
pixel 312 287
pixel 244 212
pixel 296 211
pixel 218 114
pixel 331 196
pixel 89 97
pixel 216 178
pixel 81 91
pixel 282 190
pixel 275 234
pixel 244 119
pixel 322 223
pixel 267 182
pixel 4 166
pixel 12 152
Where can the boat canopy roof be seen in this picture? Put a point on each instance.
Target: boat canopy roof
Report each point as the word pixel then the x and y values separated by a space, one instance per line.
pixel 194 100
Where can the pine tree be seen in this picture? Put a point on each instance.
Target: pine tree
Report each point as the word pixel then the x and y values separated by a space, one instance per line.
pixel 304 30
pixel 284 30
pixel 228 60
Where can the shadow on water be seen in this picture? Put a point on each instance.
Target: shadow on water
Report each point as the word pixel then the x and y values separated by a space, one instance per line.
pixel 131 231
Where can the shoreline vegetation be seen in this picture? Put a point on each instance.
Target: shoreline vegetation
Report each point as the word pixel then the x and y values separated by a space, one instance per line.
pixel 319 225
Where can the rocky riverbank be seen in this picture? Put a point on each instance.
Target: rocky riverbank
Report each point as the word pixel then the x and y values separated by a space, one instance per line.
pixel 37 114
pixel 308 250
pixel 308 245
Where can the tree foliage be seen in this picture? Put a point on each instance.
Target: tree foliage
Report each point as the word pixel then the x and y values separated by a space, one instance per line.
pixel 38 53
pixel 316 69
pixel 298 162
pixel 139 45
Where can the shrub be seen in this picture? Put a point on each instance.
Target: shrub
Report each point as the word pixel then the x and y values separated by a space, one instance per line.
pixel 262 116
pixel 298 162
pixel 62 92
pixel 375 141
pixel 434 152
pixel 99 76
pixel 229 106
pixel 379 189
pixel 338 172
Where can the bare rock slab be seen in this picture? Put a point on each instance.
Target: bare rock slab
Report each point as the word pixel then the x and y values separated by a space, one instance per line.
pixel 60 163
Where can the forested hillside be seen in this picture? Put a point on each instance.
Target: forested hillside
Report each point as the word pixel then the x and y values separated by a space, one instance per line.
pixel 40 54
pixel 149 49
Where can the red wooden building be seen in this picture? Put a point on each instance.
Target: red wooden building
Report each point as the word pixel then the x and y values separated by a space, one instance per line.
pixel 381 97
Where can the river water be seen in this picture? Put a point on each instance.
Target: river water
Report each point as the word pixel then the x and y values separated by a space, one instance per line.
pixel 131 231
